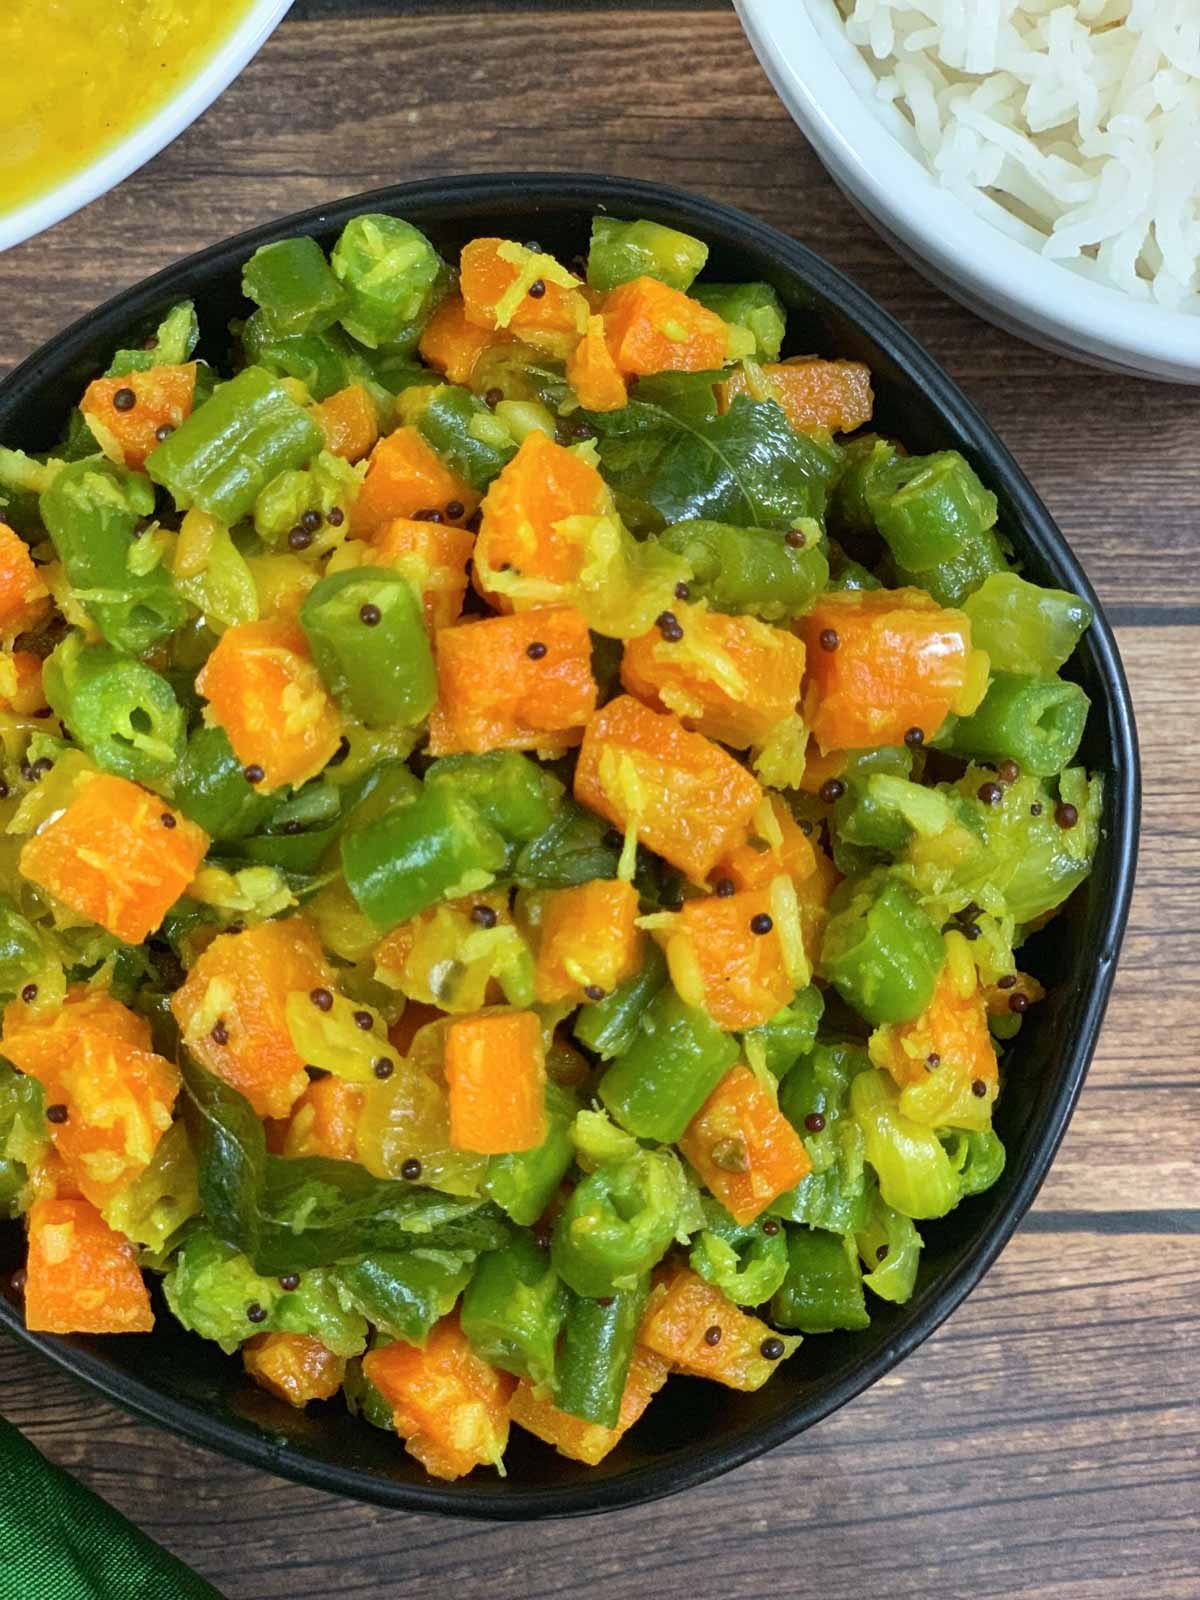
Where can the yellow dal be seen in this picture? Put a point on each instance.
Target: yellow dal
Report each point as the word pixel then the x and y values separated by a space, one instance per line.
pixel 77 76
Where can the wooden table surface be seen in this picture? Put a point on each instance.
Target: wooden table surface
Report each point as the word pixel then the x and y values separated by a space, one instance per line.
pixel 1044 1442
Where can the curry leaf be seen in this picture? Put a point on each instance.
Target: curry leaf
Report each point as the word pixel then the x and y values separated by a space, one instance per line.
pixel 290 1215
pixel 747 466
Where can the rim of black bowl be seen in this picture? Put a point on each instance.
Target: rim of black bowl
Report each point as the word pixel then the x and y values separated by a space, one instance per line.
pixel 474 198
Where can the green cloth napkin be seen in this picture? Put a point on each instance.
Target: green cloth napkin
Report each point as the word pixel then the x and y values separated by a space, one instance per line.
pixel 59 1541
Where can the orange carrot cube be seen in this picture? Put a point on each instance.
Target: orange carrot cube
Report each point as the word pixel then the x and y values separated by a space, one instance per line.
pixel 449 1406
pixel 746 1151
pixel 732 678
pixel 891 660
pixel 744 974
pixel 513 683
pixel 111 857
pixel 324 1121
pixel 592 372
pixel 589 940
pixel 688 799
pixel 435 558
pixel 405 476
pixel 492 271
pixel 162 398
pixel 651 327
pixel 264 690
pixel 944 1061
pixel 524 511
pixel 834 396
pixel 681 1310
pixel 24 598
pixel 81 1275
pixel 584 1441
pixel 349 422
pixel 232 1009
pixel 452 344
pixel 495 1068
pixel 294 1367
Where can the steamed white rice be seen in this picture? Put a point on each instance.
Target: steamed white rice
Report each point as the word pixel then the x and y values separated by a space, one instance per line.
pixel 1074 126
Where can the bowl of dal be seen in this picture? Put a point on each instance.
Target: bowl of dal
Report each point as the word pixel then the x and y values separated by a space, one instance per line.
pixel 90 90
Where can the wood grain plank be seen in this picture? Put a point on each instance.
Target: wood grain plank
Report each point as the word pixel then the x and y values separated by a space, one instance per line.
pixel 989 1464
pixel 676 96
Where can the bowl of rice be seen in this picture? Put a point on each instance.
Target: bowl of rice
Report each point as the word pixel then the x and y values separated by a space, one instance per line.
pixel 1038 159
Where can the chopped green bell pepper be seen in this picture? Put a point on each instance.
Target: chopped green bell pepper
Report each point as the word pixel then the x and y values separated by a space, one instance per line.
pixel 123 713
pixel 322 362
pixel 291 280
pixel 513 1309
pixel 435 848
pixel 1025 628
pixel 833 1195
pixel 747 1262
pixel 881 952
pixel 889 1248
pixel 391 276
pixel 823 1288
pixel 865 458
pixel 468 437
pixel 368 639
pixel 674 1063
pixel 211 788
pixel 622 251
pixel 977 1155
pixel 513 794
pixel 597 1348
pixel 790 1033
pixel 916 1176
pixel 1036 722
pixel 928 508
pixel 176 336
pixel 765 571
pixel 404 1292
pixel 92 511
pixel 618 1223
pixel 610 1026
pixel 222 457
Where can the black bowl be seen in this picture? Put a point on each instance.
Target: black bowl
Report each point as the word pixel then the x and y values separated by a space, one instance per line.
pixel 693 1431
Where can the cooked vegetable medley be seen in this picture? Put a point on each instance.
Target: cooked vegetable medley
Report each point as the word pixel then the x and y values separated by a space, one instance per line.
pixel 517 817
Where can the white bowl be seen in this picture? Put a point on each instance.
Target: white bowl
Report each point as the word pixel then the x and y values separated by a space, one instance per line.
pixel 870 151
pixel 244 40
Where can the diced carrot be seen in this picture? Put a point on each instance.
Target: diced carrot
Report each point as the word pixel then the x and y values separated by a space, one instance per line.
pixel 681 1310
pixel 448 1405
pixel 452 344
pixel 495 1068
pixel 117 1101
pixel 944 1061
pixel 584 1441
pixel 589 939
pixel 81 1275
pixel 405 476
pixel 523 512
pixel 744 1148
pixel 162 398
pixel 651 327
pixel 24 598
pixel 111 857
pixel 688 799
pixel 41 1036
pixel 264 690
pixel 435 558
pixel 732 678
pixel 899 661
pixel 815 395
pixel 754 863
pixel 495 272
pixel 349 422
pixel 324 1120
pixel 718 960
pixel 232 1009
pixel 21 682
pixel 294 1367
pixel 496 691
pixel 592 372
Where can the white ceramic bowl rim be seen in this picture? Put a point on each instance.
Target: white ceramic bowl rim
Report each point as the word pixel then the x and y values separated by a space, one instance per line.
pixel 243 41
pixel 802 60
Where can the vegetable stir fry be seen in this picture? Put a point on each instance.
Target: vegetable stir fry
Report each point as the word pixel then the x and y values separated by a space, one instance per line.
pixel 518 814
